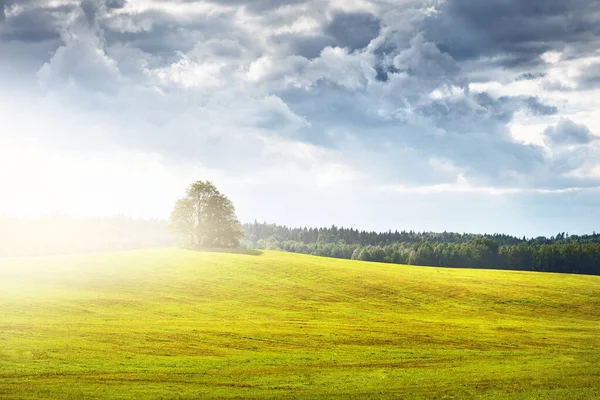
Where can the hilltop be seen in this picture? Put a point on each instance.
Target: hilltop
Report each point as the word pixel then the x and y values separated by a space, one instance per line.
pixel 173 323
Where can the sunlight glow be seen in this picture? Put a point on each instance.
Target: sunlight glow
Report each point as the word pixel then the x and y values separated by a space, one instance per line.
pixel 38 180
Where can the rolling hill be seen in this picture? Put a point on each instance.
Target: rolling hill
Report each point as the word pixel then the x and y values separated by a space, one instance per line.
pixel 179 324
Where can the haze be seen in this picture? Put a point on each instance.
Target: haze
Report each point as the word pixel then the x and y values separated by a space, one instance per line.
pixel 422 115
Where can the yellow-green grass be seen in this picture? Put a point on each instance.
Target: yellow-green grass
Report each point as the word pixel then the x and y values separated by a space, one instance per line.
pixel 170 324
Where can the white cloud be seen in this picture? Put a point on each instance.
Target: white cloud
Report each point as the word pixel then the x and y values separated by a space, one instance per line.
pixel 551 57
pixel 190 74
pixel 528 130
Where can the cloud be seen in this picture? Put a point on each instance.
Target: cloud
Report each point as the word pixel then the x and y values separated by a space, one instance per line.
pixel 423 59
pixel 81 63
pixel 327 92
pixel 257 6
pixel 353 30
pixel 3 5
pixel 91 8
pixel 529 76
pixel 31 22
pixel 166 35
pixel 309 46
pixel 567 132
pixel 512 32
pixel 590 77
pixel 116 4
pixel 538 108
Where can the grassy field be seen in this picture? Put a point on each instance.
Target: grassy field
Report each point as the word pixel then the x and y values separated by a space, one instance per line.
pixel 178 324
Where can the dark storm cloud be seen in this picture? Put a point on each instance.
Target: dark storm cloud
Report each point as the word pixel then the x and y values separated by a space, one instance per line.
pixel 424 61
pixel 164 35
pixel 409 93
pixel 3 4
pixel 353 30
pixel 92 9
pixel 515 32
pixel 115 4
pixel 460 115
pixel 538 108
pixel 350 30
pixel 470 129
pixel 471 132
pixel 530 76
pixel 35 24
pixel 567 132
pixel 477 138
pixel 381 73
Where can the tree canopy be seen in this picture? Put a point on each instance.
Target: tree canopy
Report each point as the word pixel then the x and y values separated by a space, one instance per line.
pixel 205 217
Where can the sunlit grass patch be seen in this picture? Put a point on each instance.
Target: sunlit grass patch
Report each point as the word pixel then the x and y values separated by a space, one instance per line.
pixel 186 324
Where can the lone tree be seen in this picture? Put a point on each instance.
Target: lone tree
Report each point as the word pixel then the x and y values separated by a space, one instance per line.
pixel 205 217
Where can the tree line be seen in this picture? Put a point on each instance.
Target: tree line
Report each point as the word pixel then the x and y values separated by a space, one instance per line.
pixel 206 218
pixel 559 253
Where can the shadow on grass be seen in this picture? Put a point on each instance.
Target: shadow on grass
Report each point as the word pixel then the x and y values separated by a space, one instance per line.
pixel 248 252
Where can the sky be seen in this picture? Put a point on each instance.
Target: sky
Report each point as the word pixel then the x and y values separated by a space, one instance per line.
pixel 457 115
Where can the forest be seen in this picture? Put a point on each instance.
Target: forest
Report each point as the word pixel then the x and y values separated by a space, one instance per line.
pixel 560 253
pixel 59 234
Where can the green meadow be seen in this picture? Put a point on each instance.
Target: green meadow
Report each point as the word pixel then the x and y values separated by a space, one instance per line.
pixel 179 324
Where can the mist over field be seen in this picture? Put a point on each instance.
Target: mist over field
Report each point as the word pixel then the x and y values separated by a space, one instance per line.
pixel 61 234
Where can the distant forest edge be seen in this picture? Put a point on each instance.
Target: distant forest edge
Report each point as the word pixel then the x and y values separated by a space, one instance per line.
pixel 561 253
pixel 60 234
